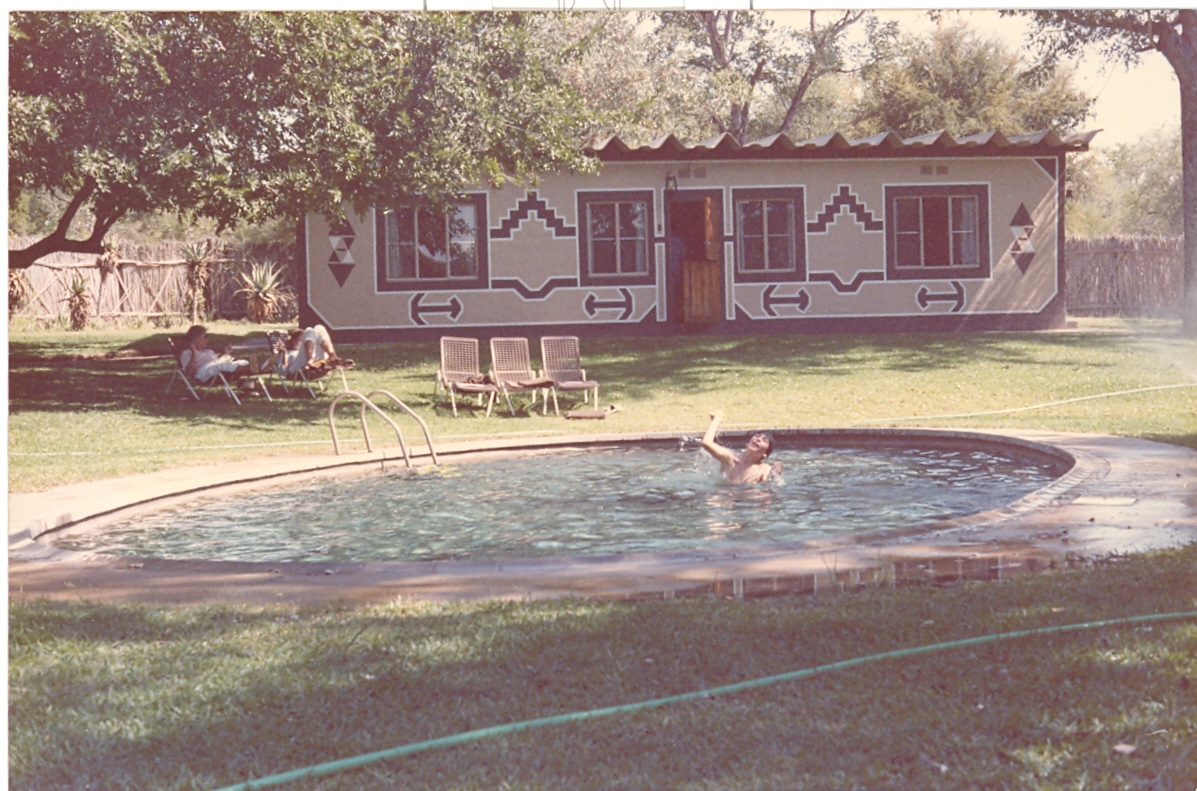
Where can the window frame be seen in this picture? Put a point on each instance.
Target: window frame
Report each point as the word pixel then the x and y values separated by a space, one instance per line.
pixel 797 195
pixel 586 277
pixel 480 280
pixel 980 270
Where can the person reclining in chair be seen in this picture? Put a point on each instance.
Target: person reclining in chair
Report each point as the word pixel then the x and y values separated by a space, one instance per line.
pixel 747 466
pixel 307 348
pixel 201 363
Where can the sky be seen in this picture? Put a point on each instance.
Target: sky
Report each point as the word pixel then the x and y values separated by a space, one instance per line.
pixel 1130 103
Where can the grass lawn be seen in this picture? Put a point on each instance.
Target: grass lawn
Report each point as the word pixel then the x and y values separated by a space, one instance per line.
pixel 111 697
pixel 77 415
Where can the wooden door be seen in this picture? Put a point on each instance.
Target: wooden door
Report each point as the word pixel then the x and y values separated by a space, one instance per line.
pixel 702 278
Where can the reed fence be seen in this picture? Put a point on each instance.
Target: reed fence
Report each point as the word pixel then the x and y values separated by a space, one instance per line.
pixel 150 282
pixel 1124 276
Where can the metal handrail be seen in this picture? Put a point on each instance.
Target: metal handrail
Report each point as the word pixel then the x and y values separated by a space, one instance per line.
pixel 366 402
pixel 408 410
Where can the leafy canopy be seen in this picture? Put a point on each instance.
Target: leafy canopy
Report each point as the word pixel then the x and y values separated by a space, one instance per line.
pixel 248 116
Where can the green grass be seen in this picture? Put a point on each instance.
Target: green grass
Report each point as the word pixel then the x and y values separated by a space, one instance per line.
pixel 78 415
pixel 197 698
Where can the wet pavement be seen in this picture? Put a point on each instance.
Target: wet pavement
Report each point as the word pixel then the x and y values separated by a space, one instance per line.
pixel 1122 495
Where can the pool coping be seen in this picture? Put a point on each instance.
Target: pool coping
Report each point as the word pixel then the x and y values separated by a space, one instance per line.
pixel 1121 495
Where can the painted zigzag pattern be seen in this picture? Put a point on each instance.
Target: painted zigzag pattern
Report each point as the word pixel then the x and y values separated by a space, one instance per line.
pixel 844 199
pixel 521 212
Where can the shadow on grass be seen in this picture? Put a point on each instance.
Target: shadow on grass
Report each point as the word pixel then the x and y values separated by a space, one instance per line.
pixel 226 695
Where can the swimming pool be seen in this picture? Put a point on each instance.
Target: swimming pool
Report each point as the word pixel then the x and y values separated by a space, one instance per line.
pixel 611 500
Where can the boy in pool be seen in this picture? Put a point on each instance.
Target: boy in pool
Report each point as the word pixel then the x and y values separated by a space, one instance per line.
pixel 747 466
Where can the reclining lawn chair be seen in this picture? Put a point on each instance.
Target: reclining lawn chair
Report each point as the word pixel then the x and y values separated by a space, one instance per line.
pixel 511 368
pixel 460 373
pixel 217 381
pixel 563 364
pixel 311 376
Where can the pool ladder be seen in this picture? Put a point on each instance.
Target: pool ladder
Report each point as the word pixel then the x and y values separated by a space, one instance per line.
pixel 367 402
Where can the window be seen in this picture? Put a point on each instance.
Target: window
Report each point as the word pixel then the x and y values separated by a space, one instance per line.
pixel 615 240
pixel 769 234
pixel 421 248
pixel 934 232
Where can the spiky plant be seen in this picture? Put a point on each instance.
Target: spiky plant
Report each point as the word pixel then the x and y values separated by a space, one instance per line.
pixel 106 263
pixel 263 291
pixel 78 302
pixel 197 256
pixel 19 291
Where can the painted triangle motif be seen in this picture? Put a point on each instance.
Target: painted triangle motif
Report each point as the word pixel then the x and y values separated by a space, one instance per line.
pixel 340 272
pixel 1024 261
pixel 1022 218
pixel 343 228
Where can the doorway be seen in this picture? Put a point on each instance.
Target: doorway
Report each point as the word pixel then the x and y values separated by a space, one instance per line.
pixel 693 247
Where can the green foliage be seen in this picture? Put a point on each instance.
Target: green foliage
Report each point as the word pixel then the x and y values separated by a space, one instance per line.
pixel 754 75
pixel 19 291
pixel 957 81
pixel 78 302
pixel 263 291
pixel 1134 189
pixel 250 116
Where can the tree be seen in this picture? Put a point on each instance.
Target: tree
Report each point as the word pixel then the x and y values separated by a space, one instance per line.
pixel 249 116
pixel 745 57
pixel 955 80
pixel 1123 36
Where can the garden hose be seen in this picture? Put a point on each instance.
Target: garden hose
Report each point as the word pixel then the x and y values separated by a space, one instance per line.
pixel 355 762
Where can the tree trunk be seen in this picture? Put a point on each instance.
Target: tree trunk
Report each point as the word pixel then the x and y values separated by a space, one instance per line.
pixel 1188 148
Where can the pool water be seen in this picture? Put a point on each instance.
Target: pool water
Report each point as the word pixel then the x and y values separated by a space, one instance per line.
pixel 588 503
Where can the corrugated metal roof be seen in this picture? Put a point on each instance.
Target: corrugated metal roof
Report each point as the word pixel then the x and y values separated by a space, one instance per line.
pixel 835 145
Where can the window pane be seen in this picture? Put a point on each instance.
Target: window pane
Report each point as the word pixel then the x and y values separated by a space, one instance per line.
pixel 754 254
pixel 434 254
pixel 463 261
pixel 602 257
pixel 780 212
pixel 936 232
pixel 632 257
pixel 909 250
pixel 602 220
pixel 964 249
pixel 400 247
pixel 779 253
pixel 907 211
pixel 752 222
pixel 632 220
pixel 964 214
pixel 463 226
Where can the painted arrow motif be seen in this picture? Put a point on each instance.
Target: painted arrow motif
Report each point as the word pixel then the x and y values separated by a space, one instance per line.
pixel 801 299
pixel 593 304
pixel 452 308
pixel 925 297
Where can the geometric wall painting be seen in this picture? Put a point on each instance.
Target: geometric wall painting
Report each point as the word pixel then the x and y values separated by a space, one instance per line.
pixel 341 261
pixel 1021 226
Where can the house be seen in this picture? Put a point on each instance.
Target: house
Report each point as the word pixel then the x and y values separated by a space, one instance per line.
pixel 933 233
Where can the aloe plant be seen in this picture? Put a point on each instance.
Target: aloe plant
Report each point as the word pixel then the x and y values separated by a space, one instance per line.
pixel 263 291
pixel 196 255
pixel 19 291
pixel 79 302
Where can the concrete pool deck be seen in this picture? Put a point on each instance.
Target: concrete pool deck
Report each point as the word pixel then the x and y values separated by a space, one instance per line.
pixel 1123 495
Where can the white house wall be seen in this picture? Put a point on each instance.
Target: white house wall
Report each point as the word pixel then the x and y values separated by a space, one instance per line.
pixel 534 272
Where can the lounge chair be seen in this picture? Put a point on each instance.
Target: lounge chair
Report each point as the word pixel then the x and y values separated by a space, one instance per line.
pixel 511 368
pixel 563 364
pixel 218 381
pixel 460 373
pixel 311 376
